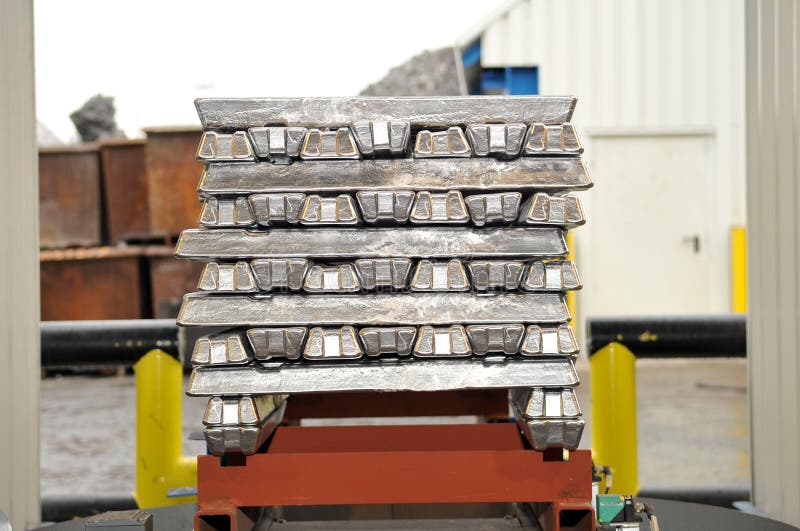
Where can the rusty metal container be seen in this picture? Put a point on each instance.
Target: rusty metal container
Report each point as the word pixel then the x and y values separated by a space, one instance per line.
pixel 98 283
pixel 170 279
pixel 69 196
pixel 172 176
pixel 125 190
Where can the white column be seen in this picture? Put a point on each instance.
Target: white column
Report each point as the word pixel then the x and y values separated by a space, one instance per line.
pixel 773 225
pixel 19 269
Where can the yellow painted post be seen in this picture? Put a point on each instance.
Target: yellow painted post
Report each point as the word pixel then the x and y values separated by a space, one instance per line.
pixel 738 237
pixel 160 465
pixel 613 388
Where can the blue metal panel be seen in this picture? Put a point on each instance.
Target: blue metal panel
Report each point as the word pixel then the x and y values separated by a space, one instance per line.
pixel 471 55
pixel 522 80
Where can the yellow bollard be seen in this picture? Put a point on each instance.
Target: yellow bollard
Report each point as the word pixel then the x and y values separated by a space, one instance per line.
pixel 738 238
pixel 613 389
pixel 160 465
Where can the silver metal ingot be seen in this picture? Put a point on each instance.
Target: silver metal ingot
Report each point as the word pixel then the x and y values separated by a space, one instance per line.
pixel 549 417
pixel 556 275
pixel 277 208
pixel 385 205
pixel 408 374
pixel 225 348
pixel 332 344
pixel 450 143
pixel 349 242
pixel 552 140
pixel 493 208
pixel 549 341
pixel 227 278
pixel 226 213
pixel 446 207
pixel 444 342
pixel 277 144
pixel 338 144
pixel 543 209
pixel 269 343
pixel 388 340
pixel 259 416
pixel 382 138
pixel 225 147
pixel 546 402
pixel 505 338
pixel 499 140
pixel 372 309
pixel 495 274
pixel 235 411
pixel 440 276
pixel 338 210
pixel 383 272
pixel 332 279
pixel 279 273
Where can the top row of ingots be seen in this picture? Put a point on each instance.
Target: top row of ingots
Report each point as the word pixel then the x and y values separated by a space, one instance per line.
pixel 282 129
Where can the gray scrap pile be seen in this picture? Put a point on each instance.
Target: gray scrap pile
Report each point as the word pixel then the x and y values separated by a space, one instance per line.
pixel 384 244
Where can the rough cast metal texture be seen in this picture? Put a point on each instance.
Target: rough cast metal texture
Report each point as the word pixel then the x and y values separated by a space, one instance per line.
pixel 384 244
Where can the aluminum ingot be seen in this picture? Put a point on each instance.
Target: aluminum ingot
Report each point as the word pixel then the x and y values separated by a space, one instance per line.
pixel 277 208
pixel 556 275
pixel 495 274
pixel 332 279
pixel 549 341
pixel 224 147
pixel 227 278
pixel 236 411
pixel 259 417
pixel 226 213
pixel 440 276
pixel 545 402
pixel 279 145
pixel 444 342
pixel 332 344
pixel 499 140
pixel 505 338
pixel 543 209
pixel 447 207
pixel 552 140
pixel 388 340
pixel 133 520
pixel 493 208
pixel 550 417
pixel 551 433
pixel 225 348
pixel 338 210
pixel 338 144
pixel 386 205
pixel 383 272
pixel 382 138
pixel 450 143
pixel 279 273
pixel 269 343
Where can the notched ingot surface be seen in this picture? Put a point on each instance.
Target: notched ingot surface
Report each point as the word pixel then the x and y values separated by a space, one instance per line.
pixel 227 278
pixel 495 274
pixel 225 348
pixel 440 276
pixel 442 342
pixel 504 338
pixel 498 140
pixel 388 340
pixel 543 209
pixel 383 272
pixel 279 145
pixel 338 210
pixel 486 209
pixel 279 342
pixel 555 275
pixel 235 411
pixel 551 433
pixel 447 207
pixel 269 209
pixel 385 205
pixel 382 138
pixel 552 140
pixel 546 402
pixel 332 279
pixel 244 438
pixel 226 213
pixel 279 273
pixel 332 344
pixel 449 143
pixel 225 147
pixel 549 341
pixel 338 144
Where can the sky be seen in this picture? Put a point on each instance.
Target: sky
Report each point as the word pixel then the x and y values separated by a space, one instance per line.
pixel 156 57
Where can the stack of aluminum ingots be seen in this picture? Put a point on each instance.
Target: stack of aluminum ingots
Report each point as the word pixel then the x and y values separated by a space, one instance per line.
pixel 384 244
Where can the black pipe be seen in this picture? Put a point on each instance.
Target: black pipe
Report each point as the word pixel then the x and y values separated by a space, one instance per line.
pixel 718 497
pixel 702 336
pixel 63 508
pixel 113 342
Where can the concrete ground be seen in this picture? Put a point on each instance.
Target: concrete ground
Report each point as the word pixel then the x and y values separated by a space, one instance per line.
pixel 692 428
